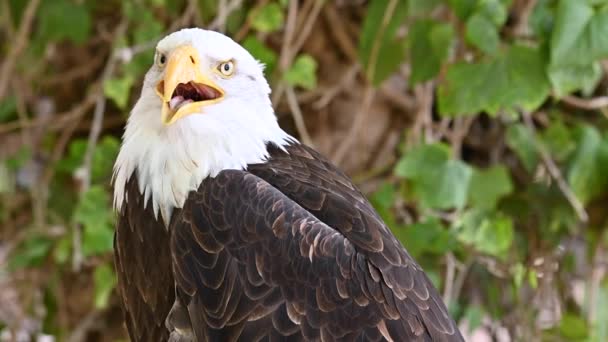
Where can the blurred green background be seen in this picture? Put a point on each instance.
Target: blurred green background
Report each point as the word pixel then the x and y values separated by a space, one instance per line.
pixel 477 127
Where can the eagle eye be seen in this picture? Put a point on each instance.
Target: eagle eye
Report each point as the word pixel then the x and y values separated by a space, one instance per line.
pixel 226 68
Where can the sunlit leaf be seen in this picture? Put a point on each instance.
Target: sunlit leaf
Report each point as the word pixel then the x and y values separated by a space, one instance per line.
pixel 32 252
pixel 64 19
pixel 303 72
pixel 514 79
pixel 118 89
pixel 483 34
pixel 587 175
pixel 93 212
pixel 437 180
pixel 261 53
pixel 381 49
pixel 105 280
pixel 268 18
pixel 522 141
pixel 488 186
pixel 430 44
pixel 487 231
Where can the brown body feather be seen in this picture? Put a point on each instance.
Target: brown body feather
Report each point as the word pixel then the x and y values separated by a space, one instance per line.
pixel 288 249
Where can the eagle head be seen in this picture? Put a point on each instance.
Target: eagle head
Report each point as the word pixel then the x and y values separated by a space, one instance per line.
pixel 204 107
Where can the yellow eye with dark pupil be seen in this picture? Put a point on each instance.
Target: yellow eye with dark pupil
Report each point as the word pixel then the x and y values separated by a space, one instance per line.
pixel 226 68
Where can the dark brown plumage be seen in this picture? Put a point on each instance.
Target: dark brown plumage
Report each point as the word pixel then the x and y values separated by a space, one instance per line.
pixel 288 248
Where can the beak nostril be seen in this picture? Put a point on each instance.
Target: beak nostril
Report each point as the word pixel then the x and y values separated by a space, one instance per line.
pixel 192 60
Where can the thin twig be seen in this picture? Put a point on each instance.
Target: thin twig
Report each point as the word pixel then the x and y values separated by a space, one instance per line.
pixel 290 49
pixel 296 112
pixel 247 25
pixel 450 270
pixel 556 174
pixel 18 47
pixel 334 91
pixel 338 31
pixel 304 32
pixel 353 133
pixel 522 27
pixel 224 11
pixel 596 103
pixel 96 125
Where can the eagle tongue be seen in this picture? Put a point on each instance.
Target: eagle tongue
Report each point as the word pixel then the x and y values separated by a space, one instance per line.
pixel 175 102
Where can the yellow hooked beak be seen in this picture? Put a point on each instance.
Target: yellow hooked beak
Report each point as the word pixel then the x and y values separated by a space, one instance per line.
pixel 185 89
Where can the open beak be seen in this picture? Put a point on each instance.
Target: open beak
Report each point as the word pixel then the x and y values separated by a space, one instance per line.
pixel 185 89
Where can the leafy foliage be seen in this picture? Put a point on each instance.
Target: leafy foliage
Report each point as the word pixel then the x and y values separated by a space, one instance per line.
pixel 498 185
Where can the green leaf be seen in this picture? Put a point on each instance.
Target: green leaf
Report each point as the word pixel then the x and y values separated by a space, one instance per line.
pixel 522 141
pixel 94 213
pixel 429 48
pixel 103 157
pixel 518 271
pixel 261 53
pixel 31 252
pixel 463 8
pixel 587 173
pixel 418 8
pixel 483 34
pixel 428 236
pixel 381 49
pixel 8 109
pixel 573 327
pixel 488 186
pixel 105 153
pixel 514 79
pixel 62 251
pixel 495 10
pixel 384 196
pixel 541 20
pixel 580 35
pixel 488 232
pixel 599 329
pixel 558 138
pixel 64 19
pixel 566 79
pixel 118 89
pixel 437 181
pixel 105 280
pixel 474 316
pixel 268 18
pixel 303 72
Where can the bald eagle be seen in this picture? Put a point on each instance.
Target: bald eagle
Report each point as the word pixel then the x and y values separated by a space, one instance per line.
pixel 230 229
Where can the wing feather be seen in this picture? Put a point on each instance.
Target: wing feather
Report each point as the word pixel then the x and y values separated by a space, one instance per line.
pixel 296 275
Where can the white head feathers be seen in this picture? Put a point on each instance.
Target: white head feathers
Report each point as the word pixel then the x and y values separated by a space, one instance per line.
pixel 172 160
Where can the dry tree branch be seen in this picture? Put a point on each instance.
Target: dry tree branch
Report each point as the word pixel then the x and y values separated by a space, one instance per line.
pixel 339 33
pixel 18 47
pixel 224 11
pixel 556 174
pixel 290 49
pixel 328 95
pixel 292 101
pixel 247 25
pixel 306 29
pixel 369 89
pixel 595 103
pixel 353 132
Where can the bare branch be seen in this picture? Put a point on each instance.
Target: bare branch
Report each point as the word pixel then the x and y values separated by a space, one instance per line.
pixel 596 103
pixel 368 96
pixel 557 175
pixel 296 112
pixel 20 44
